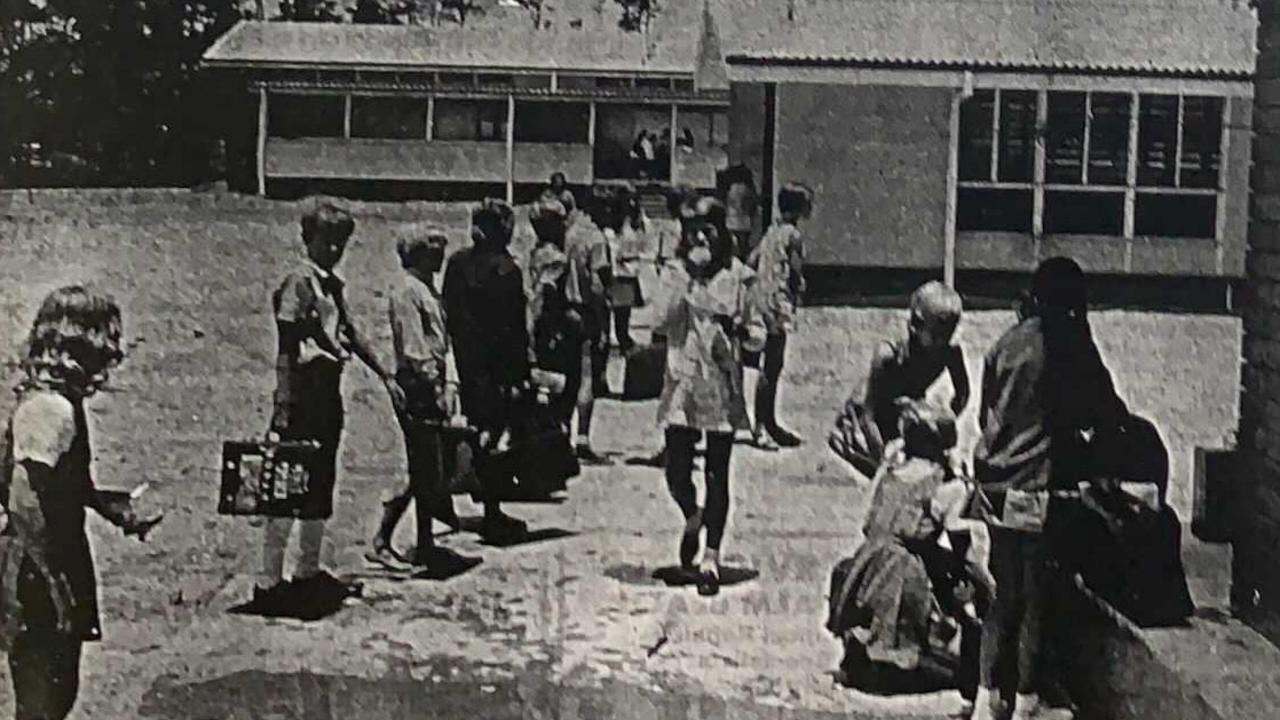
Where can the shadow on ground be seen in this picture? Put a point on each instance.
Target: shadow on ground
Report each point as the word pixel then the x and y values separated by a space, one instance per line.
pixel 448 689
pixel 675 576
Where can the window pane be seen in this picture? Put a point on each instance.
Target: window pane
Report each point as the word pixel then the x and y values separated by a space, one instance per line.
pixel 654 83
pixel 975 136
pixel 1109 138
pixel 448 79
pixel 991 210
pixel 575 82
pixel 613 82
pixel 683 86
pixel 1064 144
pixel 470 120
pixel 1157 140
pixel 551 122
pixel 1201 141
pixel 1172 215
pixel 1017 135
pixel 1083 213
pixel 389 117
pixel 495 80
pixel 303 116
pixel 533 82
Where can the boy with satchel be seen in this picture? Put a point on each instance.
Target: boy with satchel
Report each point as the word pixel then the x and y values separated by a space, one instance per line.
pixel 425 372
pixel 316 339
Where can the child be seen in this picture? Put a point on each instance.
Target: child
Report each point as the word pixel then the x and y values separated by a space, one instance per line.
pixel 588 255
pixel 48 592
pixel 485 309
pixel 707 320
pixel 903 369
pixel 425 373
pixel 884 597
pixel 316 339
pixel 779 262
pixel 626 241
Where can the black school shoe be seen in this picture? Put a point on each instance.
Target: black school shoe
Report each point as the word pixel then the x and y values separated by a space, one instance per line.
pixel 324 585
pixel 275 601
pixel 503 529
pixel 784 437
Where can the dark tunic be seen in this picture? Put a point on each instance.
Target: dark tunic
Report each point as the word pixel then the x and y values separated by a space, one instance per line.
pixel 484 300
pixel 25 593
pixel 1031 412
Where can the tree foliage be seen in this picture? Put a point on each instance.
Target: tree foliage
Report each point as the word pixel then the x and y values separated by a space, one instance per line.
pixel 108 91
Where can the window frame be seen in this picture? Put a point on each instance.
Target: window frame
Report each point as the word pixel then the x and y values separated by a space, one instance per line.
pixel 1130 188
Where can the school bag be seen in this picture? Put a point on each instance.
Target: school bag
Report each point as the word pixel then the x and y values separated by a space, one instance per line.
pixel 645 369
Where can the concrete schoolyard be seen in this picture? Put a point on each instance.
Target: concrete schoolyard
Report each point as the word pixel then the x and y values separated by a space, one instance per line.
pixel 570 625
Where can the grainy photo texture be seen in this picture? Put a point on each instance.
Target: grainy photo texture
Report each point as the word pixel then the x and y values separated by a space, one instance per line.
pixel 640 359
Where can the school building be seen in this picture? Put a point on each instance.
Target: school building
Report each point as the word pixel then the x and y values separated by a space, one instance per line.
pixel 489 107
pixel 979 137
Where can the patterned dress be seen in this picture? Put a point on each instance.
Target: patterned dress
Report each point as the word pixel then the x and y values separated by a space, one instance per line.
pixel 704 322
pixel 882 597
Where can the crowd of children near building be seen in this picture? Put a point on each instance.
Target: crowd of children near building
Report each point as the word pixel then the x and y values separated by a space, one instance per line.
pixel 505 355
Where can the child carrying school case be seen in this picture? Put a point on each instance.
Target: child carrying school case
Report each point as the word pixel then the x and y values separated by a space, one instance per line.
pixel 265 478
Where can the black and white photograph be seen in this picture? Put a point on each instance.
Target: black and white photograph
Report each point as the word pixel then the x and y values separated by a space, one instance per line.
pixel 640 359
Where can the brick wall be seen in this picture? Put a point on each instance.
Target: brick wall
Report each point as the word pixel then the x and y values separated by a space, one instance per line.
pixel 1256 560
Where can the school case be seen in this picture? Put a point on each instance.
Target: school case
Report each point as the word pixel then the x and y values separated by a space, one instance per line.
pixel 263 478
pixel 645 368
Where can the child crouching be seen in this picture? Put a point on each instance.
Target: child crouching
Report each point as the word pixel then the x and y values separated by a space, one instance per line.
pixel 884 598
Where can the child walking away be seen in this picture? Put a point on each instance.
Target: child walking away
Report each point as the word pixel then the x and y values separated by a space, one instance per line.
pixel 886 597
pixel 484 303
pixel 48 589
pixel 316 339
pixel 707 319
pixel 779 264
pixel 588 254
pixel 425 373
pixel 903 368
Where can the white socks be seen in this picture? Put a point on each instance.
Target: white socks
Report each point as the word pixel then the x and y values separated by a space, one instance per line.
pixel 710 562
pixel 750 381
pixel 276 540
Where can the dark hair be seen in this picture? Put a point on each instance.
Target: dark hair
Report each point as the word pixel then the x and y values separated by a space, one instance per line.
pixel 550 222
pixel 1059 300
pixel 794 199
pixel 711 213
pixel 558 176
pixel 739 174
pixel 495 222
pixel 677 197
pixel 75 339
pixel 324 219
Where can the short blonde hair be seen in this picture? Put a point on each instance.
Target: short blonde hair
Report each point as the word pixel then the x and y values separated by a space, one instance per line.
pixel 409 246
pixel 936 302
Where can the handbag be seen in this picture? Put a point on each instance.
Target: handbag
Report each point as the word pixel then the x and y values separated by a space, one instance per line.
pixel 623 291
pixel 645 372
pixel 265 478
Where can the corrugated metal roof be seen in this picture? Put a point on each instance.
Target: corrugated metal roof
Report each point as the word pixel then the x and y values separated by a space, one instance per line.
pixel 580 35
pixel 1213 38
pixel 1166 37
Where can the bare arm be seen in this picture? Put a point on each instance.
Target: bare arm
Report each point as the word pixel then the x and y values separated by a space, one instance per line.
pixel 876 381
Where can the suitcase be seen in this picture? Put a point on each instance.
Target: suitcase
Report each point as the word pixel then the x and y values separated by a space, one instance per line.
pixel 645 369
pixel 265 478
